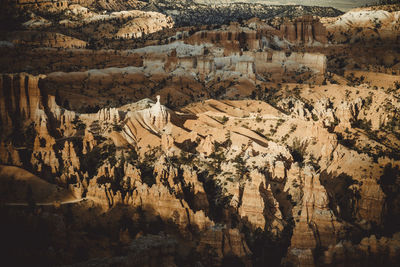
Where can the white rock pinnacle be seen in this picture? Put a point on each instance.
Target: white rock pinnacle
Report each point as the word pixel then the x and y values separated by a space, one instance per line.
pixel 158 115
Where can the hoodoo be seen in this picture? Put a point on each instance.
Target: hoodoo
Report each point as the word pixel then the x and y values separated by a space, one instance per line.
pixel 157 115
pixel 304 30
pixel 199 133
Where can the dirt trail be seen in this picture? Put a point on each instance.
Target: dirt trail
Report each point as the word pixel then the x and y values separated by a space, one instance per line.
pixel 48 203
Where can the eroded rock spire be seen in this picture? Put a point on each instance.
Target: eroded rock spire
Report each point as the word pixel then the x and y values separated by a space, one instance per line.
pixel 158 115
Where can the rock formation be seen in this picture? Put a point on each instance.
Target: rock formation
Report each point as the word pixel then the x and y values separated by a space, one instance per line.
pixel 265 145
pixel 145 23
pixel 316 226
pixel 225 242
pixel 157 116
pixel 304 30
pixel 370 250
pixel 19 101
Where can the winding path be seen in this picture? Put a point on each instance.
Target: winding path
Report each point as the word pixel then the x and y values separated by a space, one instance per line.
pixel 48 203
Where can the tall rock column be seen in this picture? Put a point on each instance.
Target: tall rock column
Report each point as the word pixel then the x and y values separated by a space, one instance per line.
pixel 316 226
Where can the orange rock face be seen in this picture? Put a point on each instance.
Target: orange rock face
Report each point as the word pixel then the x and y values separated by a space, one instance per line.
pixel 316 226
pixel 223 145
pixel 304 30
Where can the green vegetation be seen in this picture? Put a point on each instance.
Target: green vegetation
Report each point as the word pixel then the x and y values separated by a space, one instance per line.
pixel 91 161
pixel 343 194
pixel 224 119
pixel 240 166
pixel 298 150
pixel 353 81
pixel 146 166
pixel 78 124
pixel 362 124
pixel 216 195
pixel 117 127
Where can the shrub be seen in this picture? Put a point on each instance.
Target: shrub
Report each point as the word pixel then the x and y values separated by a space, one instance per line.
pixel 298 151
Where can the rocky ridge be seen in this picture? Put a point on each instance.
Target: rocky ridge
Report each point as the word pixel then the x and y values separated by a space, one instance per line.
pixel 276 187
pixel 255 143
pixel 187 13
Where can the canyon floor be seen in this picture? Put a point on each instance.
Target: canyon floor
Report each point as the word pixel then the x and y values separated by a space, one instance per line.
pixel 136 134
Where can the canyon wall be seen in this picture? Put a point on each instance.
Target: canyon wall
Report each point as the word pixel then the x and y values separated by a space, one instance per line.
pixel 20 100
pixel 304 30
pixel 243 180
